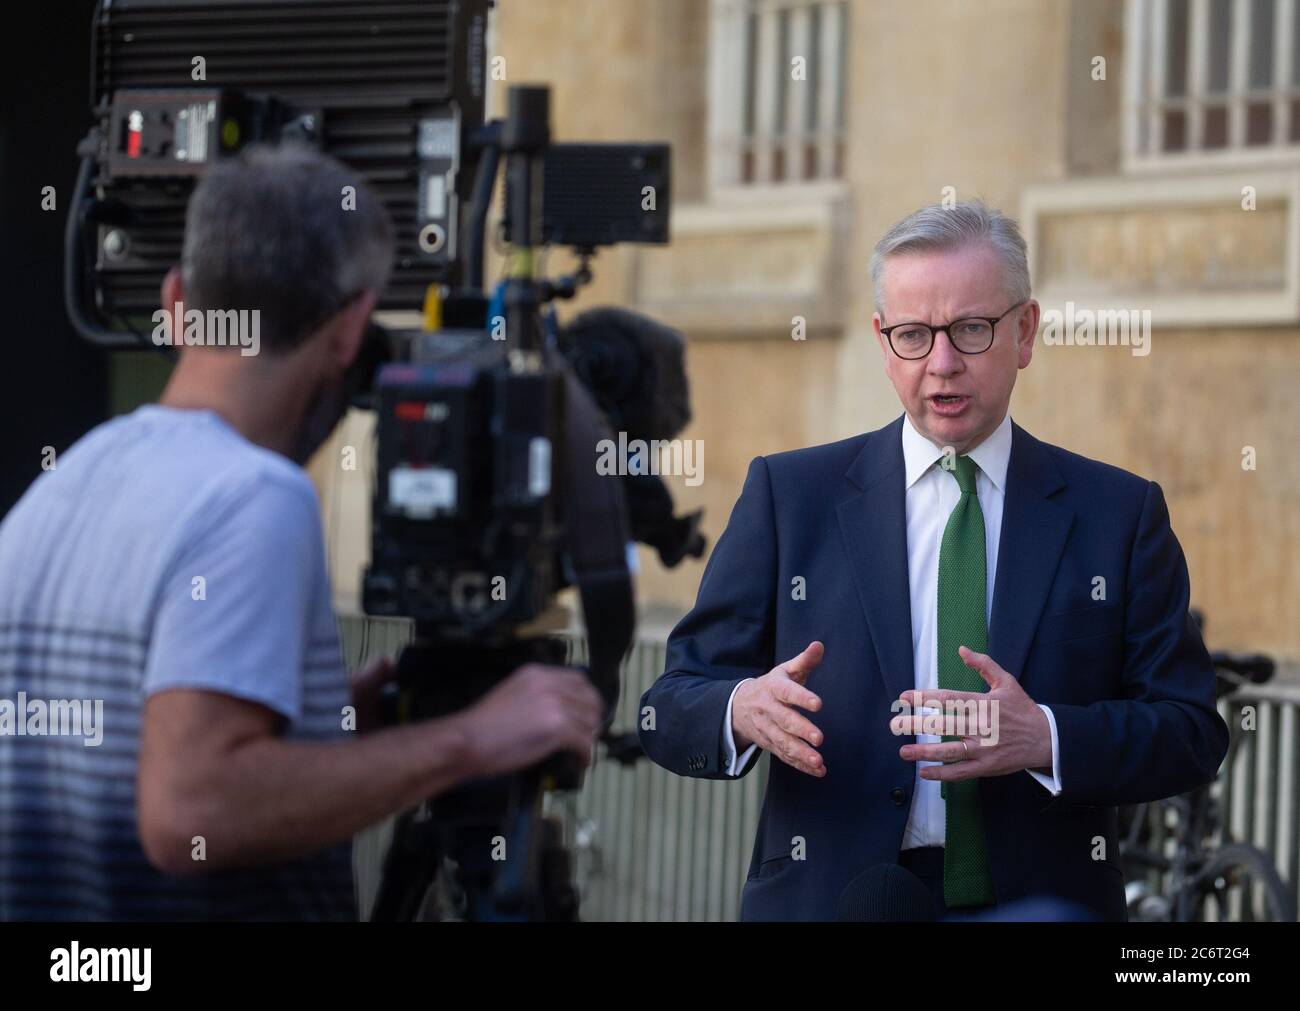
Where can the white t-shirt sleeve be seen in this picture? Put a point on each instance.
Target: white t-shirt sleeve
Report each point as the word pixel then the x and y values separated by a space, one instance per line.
pixel 233 613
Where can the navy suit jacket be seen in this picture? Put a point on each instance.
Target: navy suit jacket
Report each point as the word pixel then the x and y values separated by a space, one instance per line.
pixel 1128 678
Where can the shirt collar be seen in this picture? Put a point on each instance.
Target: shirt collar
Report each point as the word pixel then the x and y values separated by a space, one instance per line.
pixel 991 456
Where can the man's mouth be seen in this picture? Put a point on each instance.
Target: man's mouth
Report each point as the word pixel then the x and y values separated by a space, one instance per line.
pixel 948 405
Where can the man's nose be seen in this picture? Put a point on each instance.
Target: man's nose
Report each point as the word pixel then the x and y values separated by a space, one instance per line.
pixel 944 359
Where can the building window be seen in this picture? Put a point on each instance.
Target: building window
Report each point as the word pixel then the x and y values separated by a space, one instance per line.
pixel 776 91
pixel 1211 80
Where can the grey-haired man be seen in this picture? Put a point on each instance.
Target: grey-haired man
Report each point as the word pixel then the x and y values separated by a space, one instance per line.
pixel 949 559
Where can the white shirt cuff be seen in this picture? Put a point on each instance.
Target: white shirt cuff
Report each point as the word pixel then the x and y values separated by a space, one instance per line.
pixel 1050 783
pixel 733 763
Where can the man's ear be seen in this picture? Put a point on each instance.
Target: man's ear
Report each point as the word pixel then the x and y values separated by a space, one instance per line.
pixel 875 327
pixel 1027 331
pixel 173 290
pixel 350 328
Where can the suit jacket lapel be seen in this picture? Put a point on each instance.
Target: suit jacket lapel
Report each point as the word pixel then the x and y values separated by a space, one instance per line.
pixel 1034 531
pixel 874 524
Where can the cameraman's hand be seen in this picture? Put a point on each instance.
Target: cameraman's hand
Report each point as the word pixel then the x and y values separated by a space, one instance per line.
pixel 535 712
pixel 367 687
pixel 765 711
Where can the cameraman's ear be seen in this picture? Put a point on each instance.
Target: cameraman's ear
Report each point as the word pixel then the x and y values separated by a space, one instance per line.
pixel 350 328
pixel 173 290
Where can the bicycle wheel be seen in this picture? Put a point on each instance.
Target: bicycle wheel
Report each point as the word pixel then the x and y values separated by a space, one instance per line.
pixel 1240 883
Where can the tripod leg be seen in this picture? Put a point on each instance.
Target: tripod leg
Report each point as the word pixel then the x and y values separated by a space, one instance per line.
pixel 409 869
pixel 559 896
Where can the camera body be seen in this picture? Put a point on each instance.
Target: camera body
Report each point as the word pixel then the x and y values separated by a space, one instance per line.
pixel 466 527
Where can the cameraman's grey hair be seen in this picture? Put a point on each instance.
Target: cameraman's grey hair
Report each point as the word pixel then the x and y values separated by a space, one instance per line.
pixel 940 228
pixel 277 229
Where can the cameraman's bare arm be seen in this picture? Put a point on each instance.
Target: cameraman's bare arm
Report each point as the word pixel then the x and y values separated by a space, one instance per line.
pixel 211 765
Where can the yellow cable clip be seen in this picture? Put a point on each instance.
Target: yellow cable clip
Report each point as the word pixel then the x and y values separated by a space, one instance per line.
pixel 432 308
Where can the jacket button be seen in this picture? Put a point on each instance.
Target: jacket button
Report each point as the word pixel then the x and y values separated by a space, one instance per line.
pixel 898 795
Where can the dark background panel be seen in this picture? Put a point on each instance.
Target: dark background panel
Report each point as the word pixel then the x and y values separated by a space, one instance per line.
pixel 53 386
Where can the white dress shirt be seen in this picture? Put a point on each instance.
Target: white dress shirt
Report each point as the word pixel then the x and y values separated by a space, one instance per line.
pixel 932 494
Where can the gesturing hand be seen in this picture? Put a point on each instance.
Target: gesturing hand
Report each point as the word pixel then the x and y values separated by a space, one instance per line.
pixel 763 713
pixel 1022 738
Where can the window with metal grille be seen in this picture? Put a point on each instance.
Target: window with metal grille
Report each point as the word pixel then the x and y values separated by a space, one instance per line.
pixel 1211 80
pixel 776 91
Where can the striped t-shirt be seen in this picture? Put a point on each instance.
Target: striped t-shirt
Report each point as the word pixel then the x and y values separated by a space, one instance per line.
pixel 163 551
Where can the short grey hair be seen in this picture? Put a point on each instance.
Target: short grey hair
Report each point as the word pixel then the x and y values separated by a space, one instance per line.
pixel 940 228
pixel 277 229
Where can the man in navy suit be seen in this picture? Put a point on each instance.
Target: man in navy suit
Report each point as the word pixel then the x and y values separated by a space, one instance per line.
pixel 949 565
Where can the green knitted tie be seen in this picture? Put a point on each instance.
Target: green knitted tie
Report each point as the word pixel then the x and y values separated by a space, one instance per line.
pixel 962 596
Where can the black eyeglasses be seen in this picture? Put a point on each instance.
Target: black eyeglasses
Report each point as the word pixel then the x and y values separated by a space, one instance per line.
pixel 971 335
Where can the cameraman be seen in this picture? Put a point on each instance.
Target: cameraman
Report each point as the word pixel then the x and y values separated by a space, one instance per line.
pixel 169 575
